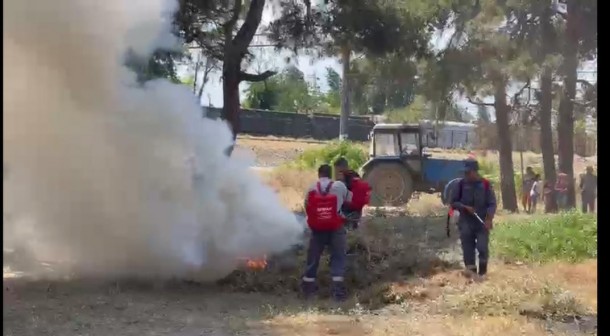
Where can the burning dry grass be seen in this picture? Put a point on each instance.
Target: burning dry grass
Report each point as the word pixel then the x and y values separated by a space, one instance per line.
pixel 383 250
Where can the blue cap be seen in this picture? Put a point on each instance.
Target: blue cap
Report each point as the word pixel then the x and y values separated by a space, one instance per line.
pixel 471 165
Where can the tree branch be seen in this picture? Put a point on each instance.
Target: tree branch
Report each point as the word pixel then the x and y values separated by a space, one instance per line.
pixel 244 76
pixel 516 96
pixel 237 6
pixel 246 32
pixel 471 101
pixel 585 83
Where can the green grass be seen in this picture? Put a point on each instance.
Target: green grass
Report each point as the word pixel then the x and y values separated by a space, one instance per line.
pixel 313 158
pixel 569 236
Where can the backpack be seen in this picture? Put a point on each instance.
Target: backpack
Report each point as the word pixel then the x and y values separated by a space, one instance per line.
pixel 461 185
pixel 361 194
pixel 322 211
pixel 447 194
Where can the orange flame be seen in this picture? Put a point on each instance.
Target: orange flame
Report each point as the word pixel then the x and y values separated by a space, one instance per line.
pixel 256 264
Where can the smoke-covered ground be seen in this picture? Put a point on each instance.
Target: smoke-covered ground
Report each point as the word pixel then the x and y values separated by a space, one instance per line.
pixel 104 177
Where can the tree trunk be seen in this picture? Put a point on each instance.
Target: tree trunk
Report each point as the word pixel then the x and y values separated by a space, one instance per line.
pixel 234 51
pixel 197 64
pixel 230 95
pixel 546 131
pixel 345 94
pixel 507 172
pixel 206 73
pixel 565 125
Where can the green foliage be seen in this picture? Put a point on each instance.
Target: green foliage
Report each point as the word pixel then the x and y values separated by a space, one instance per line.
pixel 162 64
pixel 370 27
pixel 333 97
pixel 313 158
pixel 568 236
pixel 288 91
pixel 419 109
pixel 490 170
pixel 384 83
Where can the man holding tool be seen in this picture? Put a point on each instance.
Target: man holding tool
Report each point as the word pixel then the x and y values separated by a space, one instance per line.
pixel 476 202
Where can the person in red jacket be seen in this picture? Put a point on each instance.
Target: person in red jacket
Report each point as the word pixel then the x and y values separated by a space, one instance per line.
pixel 351 211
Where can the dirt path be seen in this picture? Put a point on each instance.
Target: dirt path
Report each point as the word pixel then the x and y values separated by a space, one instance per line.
pixel 271 152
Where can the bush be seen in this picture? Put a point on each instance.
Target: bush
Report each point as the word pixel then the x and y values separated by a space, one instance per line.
pixel 569 236
pixel 313 158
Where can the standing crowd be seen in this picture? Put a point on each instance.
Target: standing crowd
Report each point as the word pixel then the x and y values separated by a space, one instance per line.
pixel 534 190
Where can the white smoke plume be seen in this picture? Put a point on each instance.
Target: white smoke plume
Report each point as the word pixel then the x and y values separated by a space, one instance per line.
pixel 106 178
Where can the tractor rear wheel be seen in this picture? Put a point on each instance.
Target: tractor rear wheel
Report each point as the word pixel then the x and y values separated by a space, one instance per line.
pixel 391 184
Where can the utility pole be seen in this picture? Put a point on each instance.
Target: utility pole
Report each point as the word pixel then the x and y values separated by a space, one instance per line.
pixel 345 94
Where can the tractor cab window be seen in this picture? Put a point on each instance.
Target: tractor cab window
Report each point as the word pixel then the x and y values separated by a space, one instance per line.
pixel 410 143
pixel 386 144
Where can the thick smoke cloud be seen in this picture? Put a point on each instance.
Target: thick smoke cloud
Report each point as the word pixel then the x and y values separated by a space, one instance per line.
pixel 106 178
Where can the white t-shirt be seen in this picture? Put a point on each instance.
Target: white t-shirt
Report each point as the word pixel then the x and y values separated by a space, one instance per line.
pixel 536 188
pixel 338 189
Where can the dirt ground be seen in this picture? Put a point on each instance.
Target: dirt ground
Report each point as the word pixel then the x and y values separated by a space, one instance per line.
pixel 271 151
pixel 437 303
pixel 442 303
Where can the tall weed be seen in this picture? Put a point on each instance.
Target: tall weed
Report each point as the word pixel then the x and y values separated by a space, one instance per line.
pixel 313 158
pixel 568 236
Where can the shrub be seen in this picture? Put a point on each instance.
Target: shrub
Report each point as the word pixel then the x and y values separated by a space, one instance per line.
pixel 313 158
pixel 569 236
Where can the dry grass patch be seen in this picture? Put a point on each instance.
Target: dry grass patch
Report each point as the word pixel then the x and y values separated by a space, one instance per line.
pixel 270 151
pixel 309 324
pixel 426 205
pixel 580 279
pixel 290 185
pixel 512 289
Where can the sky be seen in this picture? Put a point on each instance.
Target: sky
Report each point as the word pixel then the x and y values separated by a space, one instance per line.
pixel 267 58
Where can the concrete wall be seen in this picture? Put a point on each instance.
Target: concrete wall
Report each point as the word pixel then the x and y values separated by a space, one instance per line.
pixel 293 125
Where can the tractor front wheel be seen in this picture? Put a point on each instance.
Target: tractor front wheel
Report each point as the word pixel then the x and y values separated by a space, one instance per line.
pixel 391 183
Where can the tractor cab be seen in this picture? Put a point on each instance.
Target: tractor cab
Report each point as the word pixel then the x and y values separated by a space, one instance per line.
pixel 399 166
pixel 396 140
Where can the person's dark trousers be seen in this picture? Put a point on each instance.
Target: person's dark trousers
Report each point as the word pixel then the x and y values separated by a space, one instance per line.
pixel 474 238
pixel 352 218
pixel 337 243
pixel 588 203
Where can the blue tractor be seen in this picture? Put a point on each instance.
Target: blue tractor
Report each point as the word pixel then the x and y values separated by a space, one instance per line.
pixel 398 166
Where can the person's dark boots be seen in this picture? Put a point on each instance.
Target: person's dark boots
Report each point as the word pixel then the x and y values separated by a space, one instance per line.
pixel 482 269
pixel 339 292
pixel 470 271
pixel 308 289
